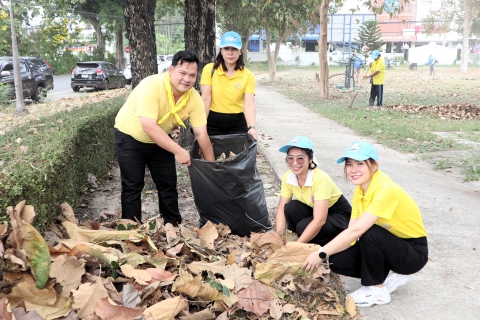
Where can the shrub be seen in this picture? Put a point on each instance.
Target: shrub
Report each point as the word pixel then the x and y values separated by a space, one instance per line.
pixel 48 160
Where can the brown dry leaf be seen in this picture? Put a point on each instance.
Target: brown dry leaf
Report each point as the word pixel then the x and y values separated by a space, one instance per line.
pixel 171 233
pixel 27 291
pixel 172 252
pixel 223 316
pixel 208 233
pixel 229 283
pixel 107 311
pixel 276 310
pixel 166 309
pixel 288 308
pixel 95 236
pixel 87 296
pixel 195 287
pixel 255 298
pixel 160 275
pixel 68 213
pixel 270 237
pixel 286 260
pixel 68 272
pixel 223 230
pixel 15 237
pixel 190 236
pixel 198 266
pixel 103 253
pixel 21 313
pixel 351 307
pixel 60 308
pixel 141 276
pixel 205 314
pixel 329 312
pixel 27 214
pixel 239 275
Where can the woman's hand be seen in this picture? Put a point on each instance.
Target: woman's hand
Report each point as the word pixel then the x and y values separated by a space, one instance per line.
pixel 312 262
pixel 253 132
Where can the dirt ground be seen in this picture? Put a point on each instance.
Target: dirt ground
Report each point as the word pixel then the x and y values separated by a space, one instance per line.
pixel 103 197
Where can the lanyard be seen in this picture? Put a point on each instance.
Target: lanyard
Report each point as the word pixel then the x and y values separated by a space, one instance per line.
pixel 173 109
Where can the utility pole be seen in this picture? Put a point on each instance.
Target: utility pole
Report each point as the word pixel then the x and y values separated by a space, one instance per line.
pixel 17 77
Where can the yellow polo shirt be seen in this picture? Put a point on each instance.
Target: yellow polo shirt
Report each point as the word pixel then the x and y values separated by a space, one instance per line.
pixel 378 65
pixel 149 99
pixel 228 93
pixel 318 186
pixel 397 211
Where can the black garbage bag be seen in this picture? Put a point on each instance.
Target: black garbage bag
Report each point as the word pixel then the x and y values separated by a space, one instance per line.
pixel 231 191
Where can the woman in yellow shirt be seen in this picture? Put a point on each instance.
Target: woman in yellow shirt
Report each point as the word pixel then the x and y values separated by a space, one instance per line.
pixel 385 241
pixel 228 90
pixel 320 211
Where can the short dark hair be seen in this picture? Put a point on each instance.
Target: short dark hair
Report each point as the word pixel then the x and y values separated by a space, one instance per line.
pixel 185 56
pixel 239 65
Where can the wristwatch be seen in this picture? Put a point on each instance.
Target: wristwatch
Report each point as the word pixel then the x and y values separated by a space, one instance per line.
pixel 251 127
pixel 322 254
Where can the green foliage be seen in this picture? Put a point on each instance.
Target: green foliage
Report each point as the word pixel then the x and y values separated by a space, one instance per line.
pixel 5 91
pixel 47 161
pixel 64 63
pixel 472 169
pixel 369 34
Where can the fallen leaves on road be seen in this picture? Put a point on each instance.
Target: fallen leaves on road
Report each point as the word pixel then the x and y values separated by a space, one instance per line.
pixel 153 271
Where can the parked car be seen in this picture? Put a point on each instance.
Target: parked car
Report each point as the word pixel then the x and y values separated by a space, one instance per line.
pixel 127 73
pixel 164 62
pixel 37 76
pixel 97 75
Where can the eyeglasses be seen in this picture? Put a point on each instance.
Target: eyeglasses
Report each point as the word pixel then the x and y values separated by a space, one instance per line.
pixel 291 159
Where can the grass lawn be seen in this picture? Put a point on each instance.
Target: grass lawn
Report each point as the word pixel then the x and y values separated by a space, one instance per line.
pixel 449 144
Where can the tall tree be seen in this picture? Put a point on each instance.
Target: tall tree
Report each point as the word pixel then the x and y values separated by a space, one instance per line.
pixel 17 77
pixel 440 21
pixel 139 20
pixel 322 50
pixel 370 35
pixel 199 37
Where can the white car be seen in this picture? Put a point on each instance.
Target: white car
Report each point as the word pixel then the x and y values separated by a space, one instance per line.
pixel 127 74
pixel 164 62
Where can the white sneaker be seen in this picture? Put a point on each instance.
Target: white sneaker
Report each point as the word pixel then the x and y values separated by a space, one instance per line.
pixel 394 280
pixel 367 296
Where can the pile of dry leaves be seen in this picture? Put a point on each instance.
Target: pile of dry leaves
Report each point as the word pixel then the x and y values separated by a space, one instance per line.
pixel 117 269
pixel 446 111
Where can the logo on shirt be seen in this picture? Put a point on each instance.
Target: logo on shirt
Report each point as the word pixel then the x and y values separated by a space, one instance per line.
pixel 385 226
pixel 238 86
pixel 354 147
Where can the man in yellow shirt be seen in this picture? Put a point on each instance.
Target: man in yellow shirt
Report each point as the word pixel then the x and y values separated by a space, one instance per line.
pixel 377 73
pixel 157 105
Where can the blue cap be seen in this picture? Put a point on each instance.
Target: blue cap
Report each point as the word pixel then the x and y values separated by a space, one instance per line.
pixel 375 54
pixel 231 39
pixel 298 142
pixel 360 151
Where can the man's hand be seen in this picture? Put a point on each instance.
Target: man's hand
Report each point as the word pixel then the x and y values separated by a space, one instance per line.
pixel 183 157
pixel 312 262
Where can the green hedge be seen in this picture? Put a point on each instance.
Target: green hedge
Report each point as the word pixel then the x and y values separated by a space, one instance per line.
pixel 47 161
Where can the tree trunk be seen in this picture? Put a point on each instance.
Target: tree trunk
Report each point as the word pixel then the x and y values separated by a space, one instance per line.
pixel 98 31
pixel 272 60
pixel 119 56
pixel 322 51
pixel 17 76
pixel 199 37
pixel 467 24
pixel 139 21
pixel 245 36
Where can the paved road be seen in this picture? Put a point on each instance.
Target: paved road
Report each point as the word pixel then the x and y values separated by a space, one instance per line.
pixel 62 88
pixel 449 285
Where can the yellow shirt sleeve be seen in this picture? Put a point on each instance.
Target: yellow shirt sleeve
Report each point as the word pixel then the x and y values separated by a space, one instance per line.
pixel 196 114
pixel 286 190
pixel 384 203
pixel 251 82
pixel 207 75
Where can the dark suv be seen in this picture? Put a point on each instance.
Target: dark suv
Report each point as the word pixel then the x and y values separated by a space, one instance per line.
pixel 97 75
pixel 37 76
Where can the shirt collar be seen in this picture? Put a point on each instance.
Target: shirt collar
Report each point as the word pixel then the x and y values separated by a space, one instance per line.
pixel 220 71
pixel 292 179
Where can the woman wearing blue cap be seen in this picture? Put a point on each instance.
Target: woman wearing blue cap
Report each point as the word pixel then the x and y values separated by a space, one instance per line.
pixel 385 241
pixel 320 211
pixel 228 90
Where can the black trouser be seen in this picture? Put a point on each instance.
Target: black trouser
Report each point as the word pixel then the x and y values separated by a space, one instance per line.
pixel 133 155
pixel 226 123
pixel 299 216
pixel 376 253
pixel 376 91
